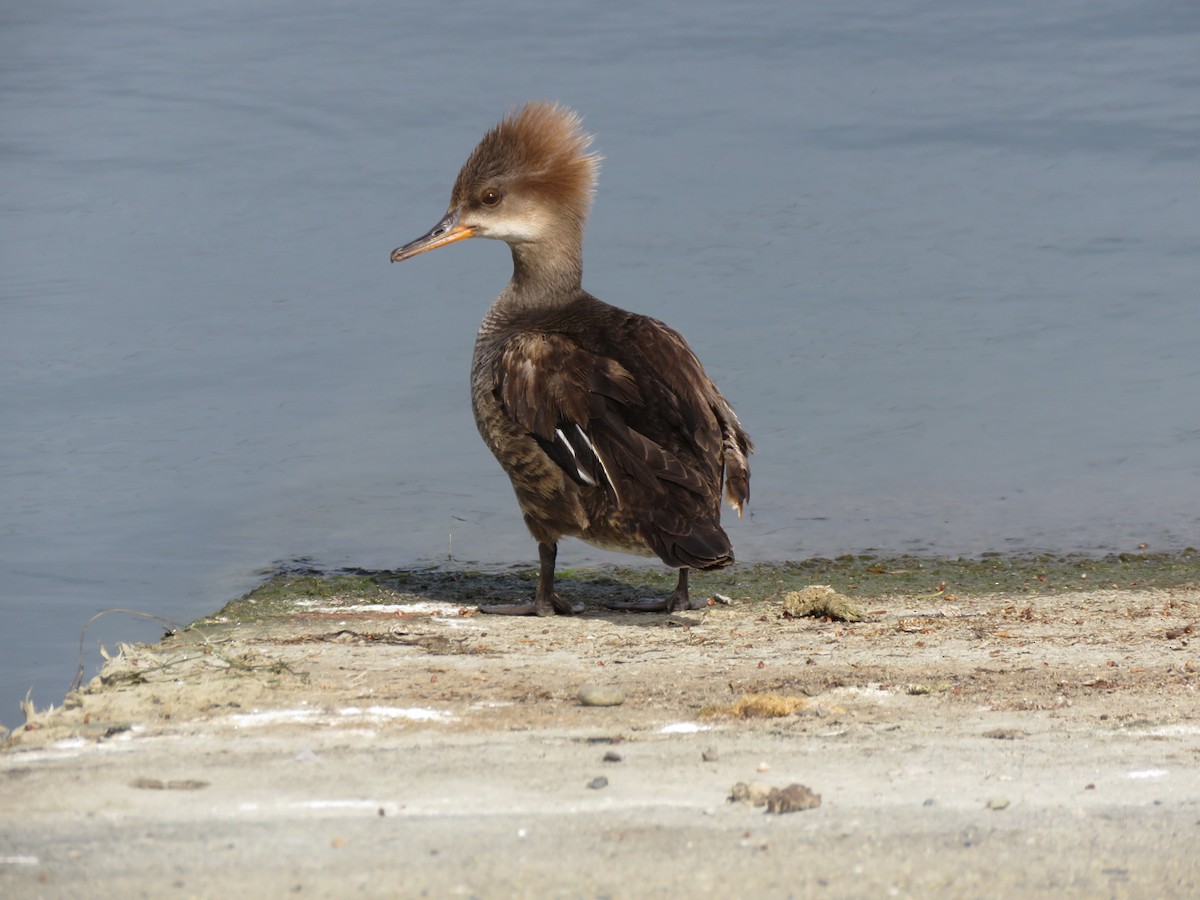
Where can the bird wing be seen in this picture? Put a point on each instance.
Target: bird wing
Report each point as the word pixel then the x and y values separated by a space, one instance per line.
pixel 603 422
pixel 704 415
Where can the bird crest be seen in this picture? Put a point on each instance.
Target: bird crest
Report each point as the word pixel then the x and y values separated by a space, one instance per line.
pixel 540 148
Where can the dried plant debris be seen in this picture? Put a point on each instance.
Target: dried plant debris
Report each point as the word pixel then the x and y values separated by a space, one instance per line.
pixel 752 793
pixel 1006 734
pixel 758 706
pixel 793 798
pixel 157 784
pixel 922 688
pixel 823 602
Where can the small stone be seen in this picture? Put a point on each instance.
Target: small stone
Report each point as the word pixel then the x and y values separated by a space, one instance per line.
pixel 710 755
pixel 793 798
pixel 997 804
pixel 598 782
pixel 763 767
pixel 600 695
pixel 612 756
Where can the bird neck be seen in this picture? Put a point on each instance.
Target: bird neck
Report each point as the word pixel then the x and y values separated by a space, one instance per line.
pixel 547 273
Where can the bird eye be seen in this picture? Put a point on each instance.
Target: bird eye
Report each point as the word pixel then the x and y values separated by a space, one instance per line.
pixel 490 197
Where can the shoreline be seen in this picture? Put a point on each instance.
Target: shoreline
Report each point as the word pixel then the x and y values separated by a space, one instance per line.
pixel 371 732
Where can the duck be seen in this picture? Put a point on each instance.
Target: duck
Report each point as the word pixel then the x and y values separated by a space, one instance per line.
pixel 604 419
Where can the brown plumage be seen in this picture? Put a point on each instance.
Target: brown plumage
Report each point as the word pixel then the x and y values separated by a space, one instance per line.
pixel 604 420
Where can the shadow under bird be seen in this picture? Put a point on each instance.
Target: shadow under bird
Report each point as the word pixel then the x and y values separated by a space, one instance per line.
pixel 604 419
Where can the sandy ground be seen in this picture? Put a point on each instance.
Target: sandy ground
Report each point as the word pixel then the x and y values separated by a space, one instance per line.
pixel 1001 746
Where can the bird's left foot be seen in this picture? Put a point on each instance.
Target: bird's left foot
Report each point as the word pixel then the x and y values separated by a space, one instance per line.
pixel 556 605
pixel 673 602
pixel 527 608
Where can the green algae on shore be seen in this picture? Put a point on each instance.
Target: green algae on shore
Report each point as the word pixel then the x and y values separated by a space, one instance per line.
pixel 862 575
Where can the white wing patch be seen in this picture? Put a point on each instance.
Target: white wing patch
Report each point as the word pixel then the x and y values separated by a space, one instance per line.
pixel 587 479
pixel 579 443
pixel 600 459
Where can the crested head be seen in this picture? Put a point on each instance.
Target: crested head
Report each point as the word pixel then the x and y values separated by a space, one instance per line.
pixel 528 183
pixel 539 150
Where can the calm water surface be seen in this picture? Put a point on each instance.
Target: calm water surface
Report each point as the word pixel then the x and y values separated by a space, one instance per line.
pixel 943 257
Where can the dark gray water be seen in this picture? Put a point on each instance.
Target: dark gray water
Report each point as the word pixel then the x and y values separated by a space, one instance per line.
pixel 943 257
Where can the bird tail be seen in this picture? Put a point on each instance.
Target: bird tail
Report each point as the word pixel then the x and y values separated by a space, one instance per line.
pixel 737 466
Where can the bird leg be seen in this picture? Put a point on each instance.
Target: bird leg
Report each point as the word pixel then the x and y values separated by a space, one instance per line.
pixel 545 601
pixel 677 601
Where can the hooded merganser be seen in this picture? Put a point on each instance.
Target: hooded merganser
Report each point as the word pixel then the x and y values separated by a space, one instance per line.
pixel 604 420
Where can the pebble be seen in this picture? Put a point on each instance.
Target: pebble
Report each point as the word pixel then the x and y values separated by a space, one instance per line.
pixel 710 755
pixel 598 782
pixel 600 695
pixel 612 756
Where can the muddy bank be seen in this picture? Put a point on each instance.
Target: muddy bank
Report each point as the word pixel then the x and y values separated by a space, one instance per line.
pixel 994 727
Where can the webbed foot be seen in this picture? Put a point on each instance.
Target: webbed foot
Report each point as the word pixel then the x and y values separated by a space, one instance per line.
pixel 559 606
pixel 668 604
pixel 546 601
pixel 539 606
pixel 508 609
pixel 677 601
